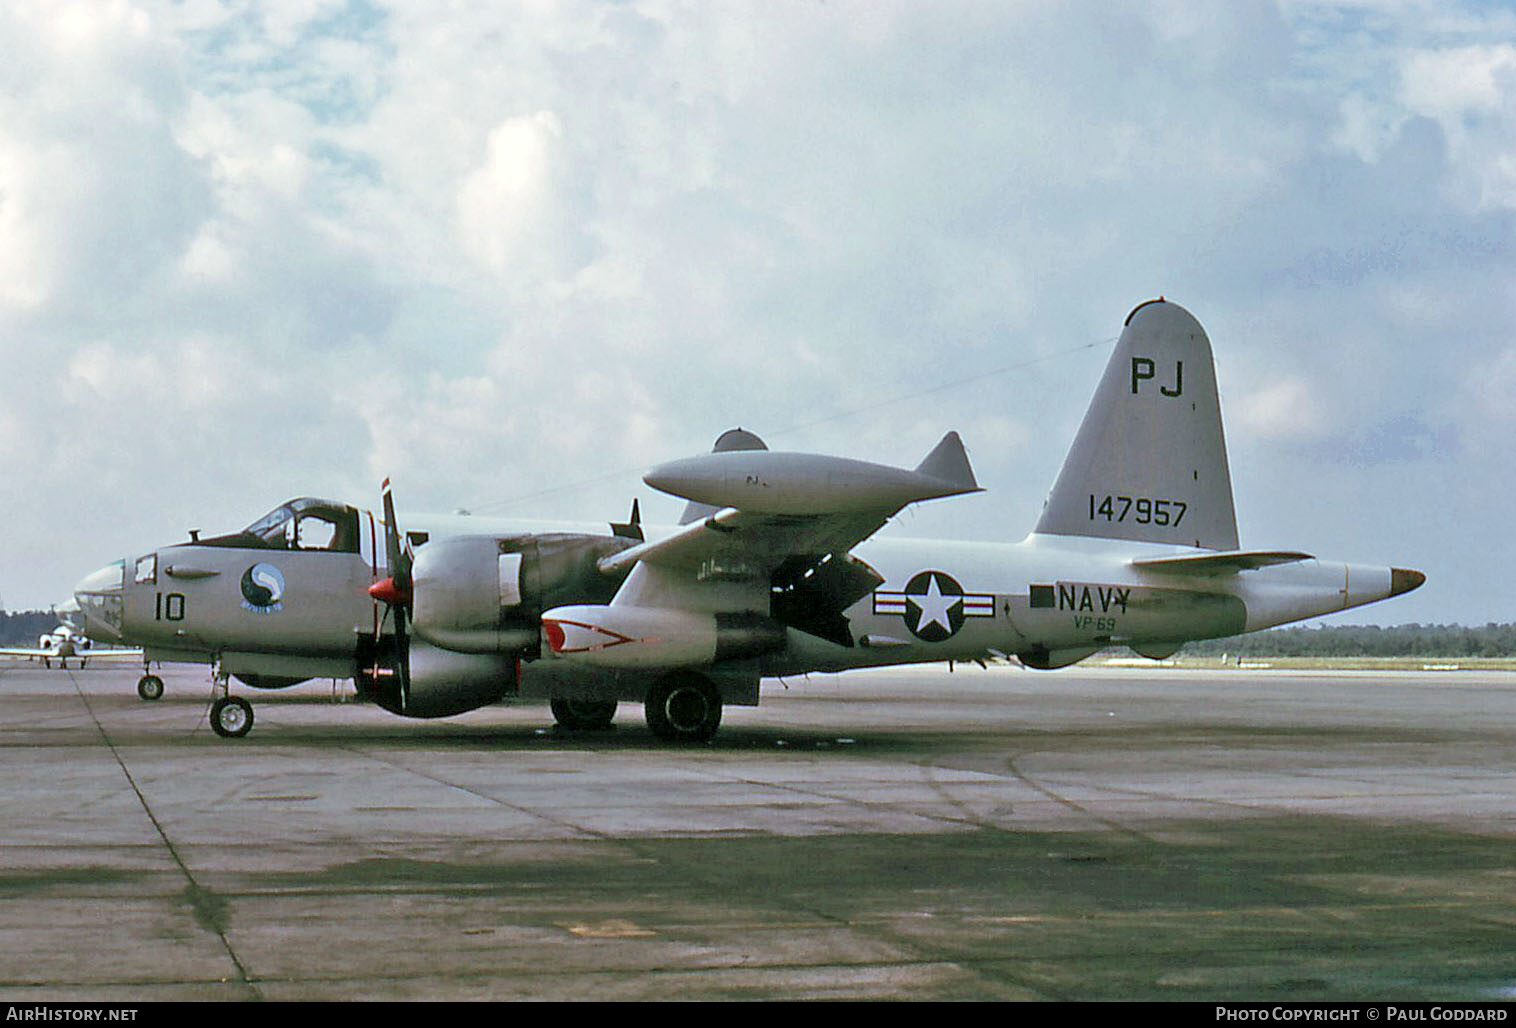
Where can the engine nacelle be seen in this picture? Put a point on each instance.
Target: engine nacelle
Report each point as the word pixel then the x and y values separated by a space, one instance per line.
pixel 438 683
pixel 654 637
pixel 485 594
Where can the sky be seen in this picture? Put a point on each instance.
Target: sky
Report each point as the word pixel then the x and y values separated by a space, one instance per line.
pixel 512 255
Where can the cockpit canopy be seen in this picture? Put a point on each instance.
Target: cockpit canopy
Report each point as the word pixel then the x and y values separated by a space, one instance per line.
pixel 304 523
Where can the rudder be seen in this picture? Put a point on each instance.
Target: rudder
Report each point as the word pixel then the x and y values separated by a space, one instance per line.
pixel 1149 463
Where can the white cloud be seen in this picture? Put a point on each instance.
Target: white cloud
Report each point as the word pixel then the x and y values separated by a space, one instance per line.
pixel 26 263
pixel 1285 409
pixel 1471 92
pixel 1450 83
pixel 507 208
pixel 249 250
pixel 1489 421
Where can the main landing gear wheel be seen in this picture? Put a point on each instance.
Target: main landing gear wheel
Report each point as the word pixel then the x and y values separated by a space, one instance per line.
pixel 231 717
pixel 683 707
pixel 150 687
pixel 584 715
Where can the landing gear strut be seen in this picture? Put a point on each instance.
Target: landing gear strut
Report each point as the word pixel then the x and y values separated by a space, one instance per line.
pixel 231 716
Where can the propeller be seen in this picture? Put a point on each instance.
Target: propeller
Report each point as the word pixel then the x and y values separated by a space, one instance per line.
pixel 395 593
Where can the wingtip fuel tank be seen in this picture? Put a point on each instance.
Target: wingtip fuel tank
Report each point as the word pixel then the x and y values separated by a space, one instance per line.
pixel 766 482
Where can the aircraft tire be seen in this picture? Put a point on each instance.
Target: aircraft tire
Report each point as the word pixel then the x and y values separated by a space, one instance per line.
pixel 683 707
pixel 584 715
pixel 150 687
pixel 231 717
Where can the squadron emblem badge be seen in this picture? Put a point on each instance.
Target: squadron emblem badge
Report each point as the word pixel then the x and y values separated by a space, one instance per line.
pixel 262 589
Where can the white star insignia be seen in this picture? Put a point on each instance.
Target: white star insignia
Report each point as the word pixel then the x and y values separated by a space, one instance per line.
pixel 934 607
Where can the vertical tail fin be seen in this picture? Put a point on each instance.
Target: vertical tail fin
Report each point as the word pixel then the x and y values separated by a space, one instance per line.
pixel 1149 463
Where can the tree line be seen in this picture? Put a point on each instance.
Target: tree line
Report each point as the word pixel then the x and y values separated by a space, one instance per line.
pixel 1413 640
pixel 24 627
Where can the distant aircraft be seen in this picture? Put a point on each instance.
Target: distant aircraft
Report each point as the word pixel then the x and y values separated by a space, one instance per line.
pixel 68 640
pixel 774 570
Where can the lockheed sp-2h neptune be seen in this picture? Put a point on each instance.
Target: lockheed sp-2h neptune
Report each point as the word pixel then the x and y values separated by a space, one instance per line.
pixel 774 570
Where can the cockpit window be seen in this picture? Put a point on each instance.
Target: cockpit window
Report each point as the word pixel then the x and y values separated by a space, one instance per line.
pixel 302 524
pixel 315 532
pixel 271 523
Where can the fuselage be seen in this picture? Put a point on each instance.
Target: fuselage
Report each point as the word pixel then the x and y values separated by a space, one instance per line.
pixel 956 600
pixel 275 609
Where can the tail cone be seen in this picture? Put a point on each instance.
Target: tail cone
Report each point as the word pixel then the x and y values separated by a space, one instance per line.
pixel 1403 581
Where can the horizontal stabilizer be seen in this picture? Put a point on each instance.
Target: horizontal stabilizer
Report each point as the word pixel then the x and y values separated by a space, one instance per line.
pixel 1221 563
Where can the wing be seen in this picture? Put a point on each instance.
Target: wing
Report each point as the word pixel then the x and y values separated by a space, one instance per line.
pixel 85 654
pixel 113 654
pixel 780 538
pixel 735 542
pixel 795 567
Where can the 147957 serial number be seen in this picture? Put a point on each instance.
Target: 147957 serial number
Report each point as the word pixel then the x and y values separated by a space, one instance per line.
pixel 1144 510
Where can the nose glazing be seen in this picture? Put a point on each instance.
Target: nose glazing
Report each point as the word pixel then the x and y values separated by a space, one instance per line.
pixel 99 597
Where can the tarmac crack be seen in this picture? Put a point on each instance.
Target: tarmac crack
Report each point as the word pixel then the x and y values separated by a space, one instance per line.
pixel 469 790
pixel 210 912
pixel 1252 806
pixel 1036 786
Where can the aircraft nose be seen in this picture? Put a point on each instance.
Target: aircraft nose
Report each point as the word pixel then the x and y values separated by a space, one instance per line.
pixel 1403 581
pixel 99 597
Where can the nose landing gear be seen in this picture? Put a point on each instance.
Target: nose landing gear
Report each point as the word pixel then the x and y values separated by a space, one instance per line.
pixel 231 717
pixel 150 687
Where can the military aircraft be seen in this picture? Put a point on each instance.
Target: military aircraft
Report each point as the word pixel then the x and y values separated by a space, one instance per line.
pixel 286 599
pixel 69 640
pixel 775 569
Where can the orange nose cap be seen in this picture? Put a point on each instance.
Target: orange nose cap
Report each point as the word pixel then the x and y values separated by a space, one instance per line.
pixel 1403 581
